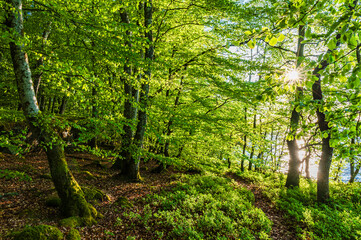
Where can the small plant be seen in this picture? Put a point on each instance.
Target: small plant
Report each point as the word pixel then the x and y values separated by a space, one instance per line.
pixel 118 222
pixel 109 233
pixel 9 174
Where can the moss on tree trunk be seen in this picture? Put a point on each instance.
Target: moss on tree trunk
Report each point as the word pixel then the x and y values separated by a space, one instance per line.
pixel 73 201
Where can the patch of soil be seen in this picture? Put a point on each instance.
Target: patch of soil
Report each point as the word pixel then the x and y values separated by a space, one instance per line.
pixel 23 202
pixel 282 229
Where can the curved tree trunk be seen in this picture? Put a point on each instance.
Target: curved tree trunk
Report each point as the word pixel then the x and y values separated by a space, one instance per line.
pixel 72 198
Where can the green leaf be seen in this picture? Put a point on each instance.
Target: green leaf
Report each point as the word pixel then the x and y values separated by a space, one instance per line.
pixel 248 32
pixel 281 37
pixel 251 44
pixel 332 44
pixel 273 41
pixel 325 135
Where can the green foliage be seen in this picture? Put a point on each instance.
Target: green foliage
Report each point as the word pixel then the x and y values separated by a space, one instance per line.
pixel 13 132
pixel 339 219
pixel 208 207
pixel 10 174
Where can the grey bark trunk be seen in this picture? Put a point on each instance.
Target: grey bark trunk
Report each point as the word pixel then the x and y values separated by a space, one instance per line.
pixel 293 175
pixel 73 202
pixel 252 150
pixel 244 141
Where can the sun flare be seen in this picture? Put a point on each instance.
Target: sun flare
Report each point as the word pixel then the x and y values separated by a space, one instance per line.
pixel 293 75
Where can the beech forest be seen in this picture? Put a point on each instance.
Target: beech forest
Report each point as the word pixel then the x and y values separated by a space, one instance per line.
pixel 180 119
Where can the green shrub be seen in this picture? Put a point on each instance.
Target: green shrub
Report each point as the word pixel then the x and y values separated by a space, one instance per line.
pixel 208 207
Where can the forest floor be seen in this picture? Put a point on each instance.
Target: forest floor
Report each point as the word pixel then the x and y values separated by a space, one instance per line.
pixel 282 228
pixel 23 202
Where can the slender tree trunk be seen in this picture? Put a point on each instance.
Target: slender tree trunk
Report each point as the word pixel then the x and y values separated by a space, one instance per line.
pixel 354 170
pixel 170 122
pixel 73 202
pixel 62 108
pixel 293 175
pixel 53 105
pixel 307 163
pixel 49 104
pixel 93 142
pixel 252 150
pixel 42 104
pixel 244 141
pixel 40 62
pixel 274 157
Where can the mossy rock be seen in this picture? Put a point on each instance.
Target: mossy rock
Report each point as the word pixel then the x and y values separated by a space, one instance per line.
pixel 53 201
pixel 94 194
pixel 123 202
pixel 71 222
pixel 40 232
pixel 73 235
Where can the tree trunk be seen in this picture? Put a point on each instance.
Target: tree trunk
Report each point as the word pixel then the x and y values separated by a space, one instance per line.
pixel 131 170
pixel 130 111
pixel 244 141
pixel 62 108
pixel 40 62
pixel 72 198
pixel 170 122
pixel 293 175
pixel 252 150
pixel 323 193
pixel 93 142
pixel 327 151
pixel 307 164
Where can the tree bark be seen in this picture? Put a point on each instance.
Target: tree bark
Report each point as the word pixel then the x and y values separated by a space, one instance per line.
pixel 73 202
pixel 131 168
pixel 244 141
pixel 293 175
pixel 40 62
pixel 252 150
pixel 327 151
pixel 130 111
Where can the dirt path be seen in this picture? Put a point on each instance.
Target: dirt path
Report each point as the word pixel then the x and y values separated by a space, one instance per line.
pixel 281 229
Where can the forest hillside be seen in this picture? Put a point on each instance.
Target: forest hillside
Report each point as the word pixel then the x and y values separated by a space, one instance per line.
pixel 164 119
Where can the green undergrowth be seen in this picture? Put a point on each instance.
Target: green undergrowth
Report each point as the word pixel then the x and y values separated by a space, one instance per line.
pixel 10 174
pixel 340 218
pixel 206 207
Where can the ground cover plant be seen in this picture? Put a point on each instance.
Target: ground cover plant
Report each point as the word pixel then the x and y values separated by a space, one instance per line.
pixel 208 207
pixel 338 219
